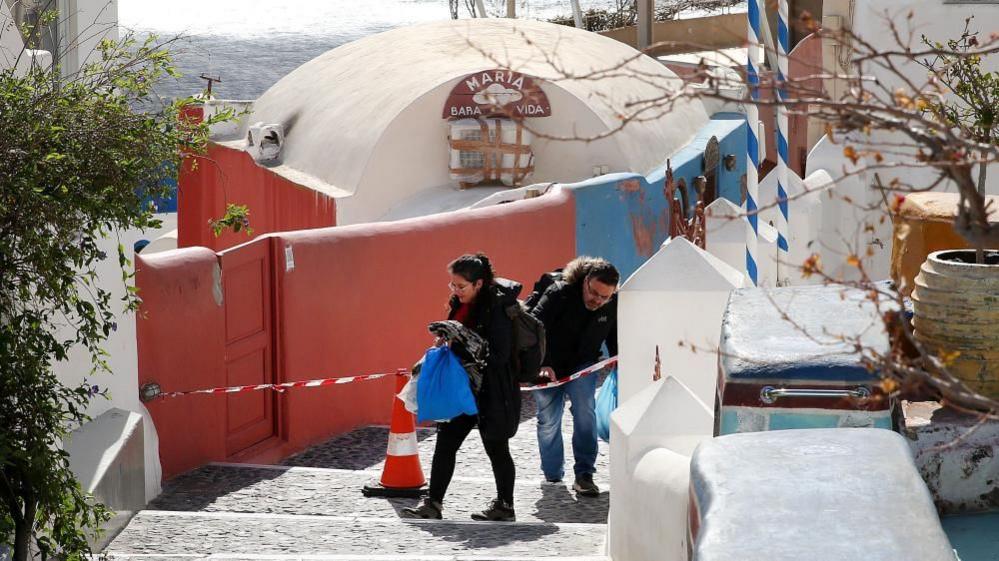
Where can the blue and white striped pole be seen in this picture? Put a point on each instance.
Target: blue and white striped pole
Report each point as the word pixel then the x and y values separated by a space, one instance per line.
pixel 752 143
pixel 783 237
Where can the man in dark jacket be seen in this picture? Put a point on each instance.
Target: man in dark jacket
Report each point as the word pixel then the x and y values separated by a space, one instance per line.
pixel 580 316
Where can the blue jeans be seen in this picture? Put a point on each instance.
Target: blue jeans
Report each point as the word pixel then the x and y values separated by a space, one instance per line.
pixel 551 403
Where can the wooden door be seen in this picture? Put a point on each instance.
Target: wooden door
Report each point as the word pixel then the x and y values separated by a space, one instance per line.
pixel 246 278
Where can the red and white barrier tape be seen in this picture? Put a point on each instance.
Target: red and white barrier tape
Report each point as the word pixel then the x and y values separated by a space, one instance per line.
pixel 287 385
pixel 584 372
pixel 348 379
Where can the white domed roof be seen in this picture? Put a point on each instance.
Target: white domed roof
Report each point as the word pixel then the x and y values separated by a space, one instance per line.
pixel 335 107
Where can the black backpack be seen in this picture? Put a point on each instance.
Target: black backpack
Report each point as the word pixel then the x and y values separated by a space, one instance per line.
pixel 540 286
pixel 528 343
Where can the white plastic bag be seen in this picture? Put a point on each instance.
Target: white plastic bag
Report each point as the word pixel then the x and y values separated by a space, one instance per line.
pixel 408 395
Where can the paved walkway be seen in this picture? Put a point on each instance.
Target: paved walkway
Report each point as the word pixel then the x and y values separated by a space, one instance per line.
pixel 312 508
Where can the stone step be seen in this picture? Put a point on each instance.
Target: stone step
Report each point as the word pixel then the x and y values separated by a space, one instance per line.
pixel 164 534
pixel 249 557
pixel 330 492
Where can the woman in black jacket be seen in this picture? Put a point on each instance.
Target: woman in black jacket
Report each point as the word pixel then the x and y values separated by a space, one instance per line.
pixel 479 301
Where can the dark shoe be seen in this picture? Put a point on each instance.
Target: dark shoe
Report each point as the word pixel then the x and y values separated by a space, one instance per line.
pixel 585 486
pixel 549 480
pixel 429 509
pixel 498 511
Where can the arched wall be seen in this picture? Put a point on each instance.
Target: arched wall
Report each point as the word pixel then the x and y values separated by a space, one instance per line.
pixel 412 155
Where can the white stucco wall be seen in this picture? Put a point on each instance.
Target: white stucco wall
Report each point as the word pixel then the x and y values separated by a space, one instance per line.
pixel 85 23
pixel 10 40
pixel 653 436
pixel 412 155
pixel 846 226
pixel 677 296
pixel 725 238
pixel 123 384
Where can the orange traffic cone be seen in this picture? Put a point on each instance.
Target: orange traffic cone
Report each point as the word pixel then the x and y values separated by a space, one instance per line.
pixel 402 475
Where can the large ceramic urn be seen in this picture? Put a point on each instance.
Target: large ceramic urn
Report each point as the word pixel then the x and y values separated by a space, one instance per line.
pixel 956 315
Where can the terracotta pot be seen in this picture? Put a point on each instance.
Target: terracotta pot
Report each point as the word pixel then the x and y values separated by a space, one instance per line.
pixel 956 309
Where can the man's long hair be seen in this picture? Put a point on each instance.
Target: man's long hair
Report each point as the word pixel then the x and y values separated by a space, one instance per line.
pixel 593 267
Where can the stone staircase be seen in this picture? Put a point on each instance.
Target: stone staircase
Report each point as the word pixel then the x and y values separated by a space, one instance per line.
pixel 312 508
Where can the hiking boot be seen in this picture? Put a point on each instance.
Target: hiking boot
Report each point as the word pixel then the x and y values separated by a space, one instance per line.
pixel 585 486
pixel 498 511
pixel 429 509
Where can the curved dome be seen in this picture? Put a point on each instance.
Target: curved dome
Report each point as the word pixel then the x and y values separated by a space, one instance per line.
pixel 336 107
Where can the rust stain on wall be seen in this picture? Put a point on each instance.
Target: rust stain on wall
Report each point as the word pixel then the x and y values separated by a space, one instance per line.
pixel 643 233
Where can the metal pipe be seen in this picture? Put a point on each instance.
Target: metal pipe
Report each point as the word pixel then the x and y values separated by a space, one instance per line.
pixel 577 14
pixel 646 14
pixel 770 394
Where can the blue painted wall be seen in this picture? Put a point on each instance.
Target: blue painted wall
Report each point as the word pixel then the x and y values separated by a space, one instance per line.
pixel 624 217
pixel 168 183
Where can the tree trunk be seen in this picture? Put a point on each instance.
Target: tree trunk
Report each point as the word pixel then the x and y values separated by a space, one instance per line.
pixel 22 534
pixel 982 169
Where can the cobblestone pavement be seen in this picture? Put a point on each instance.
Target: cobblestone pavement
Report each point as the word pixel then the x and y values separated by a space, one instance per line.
pixel 227 488
pixel 312 508
pixel 365 449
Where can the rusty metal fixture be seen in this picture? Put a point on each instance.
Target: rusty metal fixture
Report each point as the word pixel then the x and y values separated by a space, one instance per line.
pixel 211 80
pixel 657 374
pixel 712 156
pixel 700 184
pixel 149 392
pixel 694 228
pixel 729 162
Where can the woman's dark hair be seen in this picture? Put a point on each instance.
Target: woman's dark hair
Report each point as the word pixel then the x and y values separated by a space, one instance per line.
pixel 593 267
pixel 473 268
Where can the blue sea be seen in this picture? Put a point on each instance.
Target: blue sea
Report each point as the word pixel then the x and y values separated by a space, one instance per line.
pixel 251 44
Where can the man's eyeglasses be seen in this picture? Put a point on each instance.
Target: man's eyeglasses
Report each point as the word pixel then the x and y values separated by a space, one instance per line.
pixel 595 294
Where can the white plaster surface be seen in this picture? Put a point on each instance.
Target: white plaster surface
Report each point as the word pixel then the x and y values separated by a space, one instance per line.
pixel 804 218
pixel 123 383
pixel 725 238
pixel 849 205
pixel 365 119
pixel 653 435
pixel 84 24
pixel 843 224
pixel 677 296
pixel 165 242
pixel 10 40
pixel 818 494
pixel 106 456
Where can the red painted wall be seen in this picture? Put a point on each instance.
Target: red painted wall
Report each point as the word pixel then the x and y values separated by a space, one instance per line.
pixel 225 175
pixel 360 297
pixel 181 345
pixel 357 301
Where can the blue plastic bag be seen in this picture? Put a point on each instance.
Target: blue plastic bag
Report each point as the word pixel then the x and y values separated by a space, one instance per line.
pixel 442 388
pixel 606 404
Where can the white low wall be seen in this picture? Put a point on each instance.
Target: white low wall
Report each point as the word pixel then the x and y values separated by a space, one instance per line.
pixel 676 297
pixel 725 238
pixel 653 436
